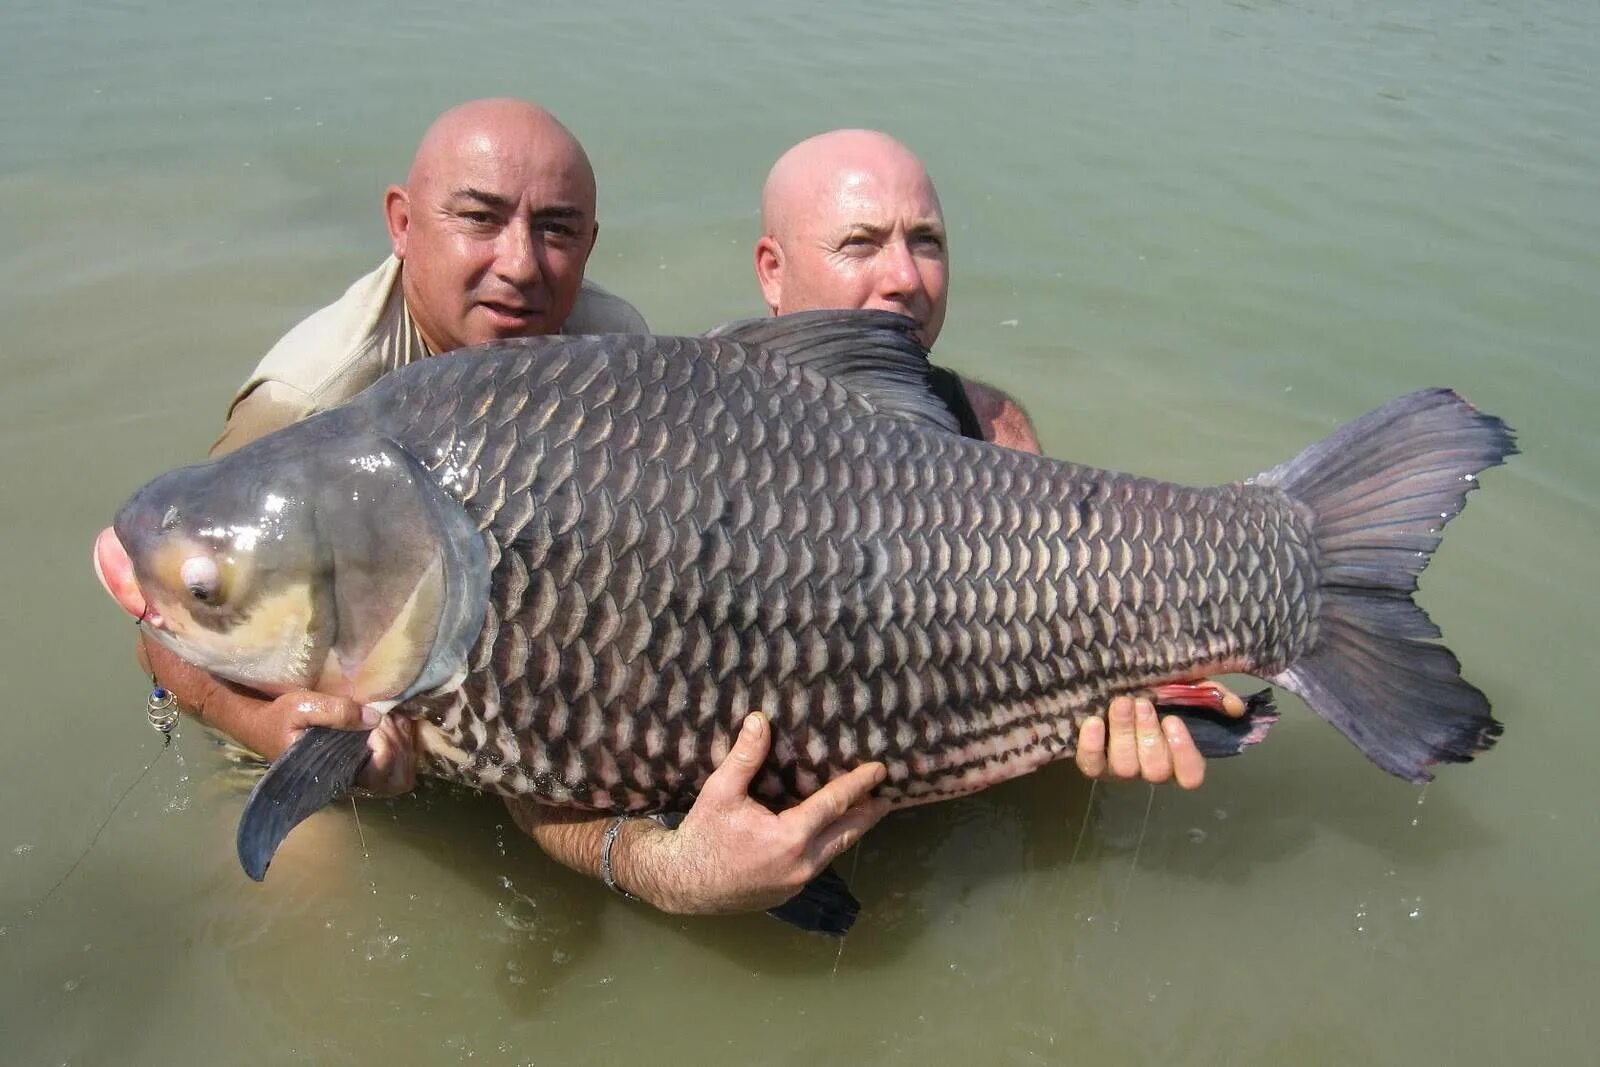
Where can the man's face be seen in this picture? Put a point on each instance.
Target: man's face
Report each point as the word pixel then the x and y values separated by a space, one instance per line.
pixel 493 238
pixel 868 238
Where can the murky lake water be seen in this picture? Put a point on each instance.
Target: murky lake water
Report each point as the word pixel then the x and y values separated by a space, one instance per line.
pixel 1192 237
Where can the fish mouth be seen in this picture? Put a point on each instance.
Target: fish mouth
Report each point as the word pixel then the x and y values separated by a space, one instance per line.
pixel 114 567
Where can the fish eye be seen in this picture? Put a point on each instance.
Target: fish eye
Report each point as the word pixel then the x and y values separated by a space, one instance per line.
pixel 200 577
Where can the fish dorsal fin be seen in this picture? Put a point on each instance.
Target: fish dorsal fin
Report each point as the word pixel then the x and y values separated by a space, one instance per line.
pixel 870 353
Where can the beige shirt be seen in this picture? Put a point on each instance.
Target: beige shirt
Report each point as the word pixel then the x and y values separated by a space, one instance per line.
pixel 338 351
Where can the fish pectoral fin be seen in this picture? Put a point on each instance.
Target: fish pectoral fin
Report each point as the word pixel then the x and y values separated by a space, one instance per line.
pixel 317 768
pixel 824 906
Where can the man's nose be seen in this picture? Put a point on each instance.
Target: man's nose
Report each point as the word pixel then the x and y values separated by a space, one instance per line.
pixel 517 257
pixel 898 276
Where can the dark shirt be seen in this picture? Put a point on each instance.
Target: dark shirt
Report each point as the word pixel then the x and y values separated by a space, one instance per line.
pixel 946 385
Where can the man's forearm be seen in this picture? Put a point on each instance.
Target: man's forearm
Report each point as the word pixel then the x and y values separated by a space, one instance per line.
pixel 214 702
pixel 574 839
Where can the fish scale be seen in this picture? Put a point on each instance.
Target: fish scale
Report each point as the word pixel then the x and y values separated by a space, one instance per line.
pixel 950 621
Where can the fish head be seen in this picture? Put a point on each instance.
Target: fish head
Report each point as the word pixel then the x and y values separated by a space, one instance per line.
pixel 304 561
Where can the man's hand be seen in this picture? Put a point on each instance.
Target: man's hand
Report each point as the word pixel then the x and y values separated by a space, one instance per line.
pixel 269 726
pixel 1140 746
pixel 730 853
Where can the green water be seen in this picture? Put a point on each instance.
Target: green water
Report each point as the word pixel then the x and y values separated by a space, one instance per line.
pixel 1192 237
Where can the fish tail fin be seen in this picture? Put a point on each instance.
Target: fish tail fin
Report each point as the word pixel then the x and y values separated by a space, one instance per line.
pixel 1381 490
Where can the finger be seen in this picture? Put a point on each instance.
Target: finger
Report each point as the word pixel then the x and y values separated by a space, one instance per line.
pixel 731 780
pixel 1122 750
pixel 1155 762
pixel 319 709
pixel 1232 703
pixel 1091 754
pixel 1188 765
pixel 845 832
pixel 830 803
pixel 392 768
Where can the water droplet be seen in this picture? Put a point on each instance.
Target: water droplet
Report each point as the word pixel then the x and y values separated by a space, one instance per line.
pixel 1196 835
pixel 22 850
pixel 70 985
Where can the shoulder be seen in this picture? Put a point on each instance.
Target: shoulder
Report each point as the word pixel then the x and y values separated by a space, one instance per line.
pixel 598 310
pixel 1001 417
pixel 326 352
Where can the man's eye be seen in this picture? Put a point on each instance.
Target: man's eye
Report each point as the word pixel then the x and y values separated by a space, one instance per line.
pixel 929 241
pixel 477 218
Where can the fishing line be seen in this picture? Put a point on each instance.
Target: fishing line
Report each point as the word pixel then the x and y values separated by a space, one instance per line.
pixel 1133 867
pixel 855 861
pixel 101 828
pixel 161 709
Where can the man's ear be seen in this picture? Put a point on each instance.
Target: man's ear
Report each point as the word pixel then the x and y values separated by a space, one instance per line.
pixel 397 214
pixel 769 271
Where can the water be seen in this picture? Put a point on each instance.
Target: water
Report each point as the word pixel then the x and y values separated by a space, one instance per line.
pixel 1192 237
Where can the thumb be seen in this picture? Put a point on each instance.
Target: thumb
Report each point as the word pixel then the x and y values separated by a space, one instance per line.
pixel 738 768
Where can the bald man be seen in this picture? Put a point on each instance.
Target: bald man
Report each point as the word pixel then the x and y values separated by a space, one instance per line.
pixel 850 219
pixel 490 235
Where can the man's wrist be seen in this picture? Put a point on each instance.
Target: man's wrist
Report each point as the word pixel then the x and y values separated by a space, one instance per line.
pixel 641 863
pixel 608 844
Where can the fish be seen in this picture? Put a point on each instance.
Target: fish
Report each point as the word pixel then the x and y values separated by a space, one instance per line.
pixel 578 562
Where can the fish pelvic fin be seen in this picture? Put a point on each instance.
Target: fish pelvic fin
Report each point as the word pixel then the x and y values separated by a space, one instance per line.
pixel 301 782
pixel 1380 491
pixel 824 905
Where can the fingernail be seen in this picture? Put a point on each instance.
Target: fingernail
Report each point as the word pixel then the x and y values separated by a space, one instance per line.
pixel 752 724
pixel 370 716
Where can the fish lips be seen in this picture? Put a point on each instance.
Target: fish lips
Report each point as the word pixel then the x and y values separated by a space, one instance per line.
pixel 114 567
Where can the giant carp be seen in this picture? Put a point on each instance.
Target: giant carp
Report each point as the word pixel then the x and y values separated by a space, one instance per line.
pixel 580 561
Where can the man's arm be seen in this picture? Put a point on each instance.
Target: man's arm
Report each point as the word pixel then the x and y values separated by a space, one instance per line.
pixel 730 853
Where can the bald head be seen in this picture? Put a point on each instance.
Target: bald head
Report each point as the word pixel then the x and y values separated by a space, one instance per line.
pixel 494 225
pixel 514 131
pixel 850 219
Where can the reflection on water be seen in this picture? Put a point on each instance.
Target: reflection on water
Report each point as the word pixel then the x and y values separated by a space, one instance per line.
pixel 1194 237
